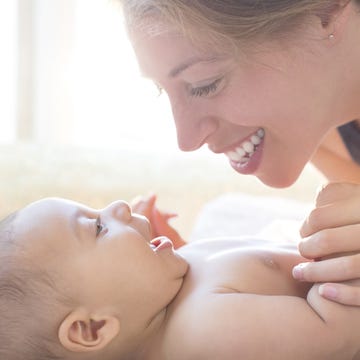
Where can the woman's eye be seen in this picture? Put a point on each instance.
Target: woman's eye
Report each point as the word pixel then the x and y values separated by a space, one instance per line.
pixel 205 90
pixel 99 226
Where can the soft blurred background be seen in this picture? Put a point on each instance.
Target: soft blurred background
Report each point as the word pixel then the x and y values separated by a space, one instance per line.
pixel 78 121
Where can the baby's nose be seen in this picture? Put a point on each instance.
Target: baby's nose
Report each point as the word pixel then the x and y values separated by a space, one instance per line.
pixel 120 210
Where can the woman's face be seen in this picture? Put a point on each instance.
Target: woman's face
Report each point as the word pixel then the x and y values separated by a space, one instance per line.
pixel 267 113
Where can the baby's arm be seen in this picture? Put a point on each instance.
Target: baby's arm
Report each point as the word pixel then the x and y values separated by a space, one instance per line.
pixel 248 326
pixel 159 219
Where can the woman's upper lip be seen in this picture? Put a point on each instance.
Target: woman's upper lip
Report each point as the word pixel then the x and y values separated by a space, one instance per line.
pixel 224 149
pixel 221 150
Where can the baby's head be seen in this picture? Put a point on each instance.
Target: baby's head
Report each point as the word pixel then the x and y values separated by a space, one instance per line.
pixel 29 301
pixel 81 283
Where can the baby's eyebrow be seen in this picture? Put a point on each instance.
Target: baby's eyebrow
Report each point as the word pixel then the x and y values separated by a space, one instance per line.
pixel 75 224
pixel 82 229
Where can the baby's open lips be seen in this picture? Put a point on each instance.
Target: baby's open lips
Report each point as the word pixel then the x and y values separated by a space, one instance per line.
pixel 153 244
pixel 160 242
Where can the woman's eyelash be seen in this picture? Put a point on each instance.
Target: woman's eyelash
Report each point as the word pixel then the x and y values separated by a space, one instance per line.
pixel 205 90
pixel 99 226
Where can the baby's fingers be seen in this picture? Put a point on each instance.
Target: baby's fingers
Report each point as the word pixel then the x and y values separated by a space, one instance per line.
pixel 143 205
pixel 341 293
pixel 166 215
pixel 162 227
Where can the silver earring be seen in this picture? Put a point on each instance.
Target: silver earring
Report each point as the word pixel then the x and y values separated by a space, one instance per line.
pixel 331 37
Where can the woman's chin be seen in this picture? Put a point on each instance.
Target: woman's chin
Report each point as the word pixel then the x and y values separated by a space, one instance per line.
pixel 278 180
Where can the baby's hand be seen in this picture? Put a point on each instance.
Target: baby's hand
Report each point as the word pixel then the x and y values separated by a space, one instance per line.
pixel 143 205
pixel 159 220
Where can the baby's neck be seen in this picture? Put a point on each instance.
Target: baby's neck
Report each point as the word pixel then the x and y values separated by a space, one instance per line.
pixel 150 340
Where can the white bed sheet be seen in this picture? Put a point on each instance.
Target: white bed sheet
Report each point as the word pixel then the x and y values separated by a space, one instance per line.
pixel 236 214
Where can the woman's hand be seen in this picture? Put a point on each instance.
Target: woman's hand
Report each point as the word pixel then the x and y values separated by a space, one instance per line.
pixel 159 220
pixel 331 237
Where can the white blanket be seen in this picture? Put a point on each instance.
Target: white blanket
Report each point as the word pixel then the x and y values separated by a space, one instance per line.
pixel 236 214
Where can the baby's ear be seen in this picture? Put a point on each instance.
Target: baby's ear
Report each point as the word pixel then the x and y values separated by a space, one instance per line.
pixel 81 331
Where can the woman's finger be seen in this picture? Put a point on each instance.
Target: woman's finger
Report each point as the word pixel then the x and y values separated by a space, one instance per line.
pixel 334 192
pixel 330 242
pixel 330 270
pixel 341 293
pixel 341 213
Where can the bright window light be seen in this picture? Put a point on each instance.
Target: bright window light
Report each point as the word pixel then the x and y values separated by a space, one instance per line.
pixel 8 50
pixel 113 105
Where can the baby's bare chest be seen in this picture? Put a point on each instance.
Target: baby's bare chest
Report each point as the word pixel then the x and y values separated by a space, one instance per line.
pixel 256 268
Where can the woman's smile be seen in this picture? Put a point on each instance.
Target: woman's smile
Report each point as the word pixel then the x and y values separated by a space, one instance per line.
pixel 241 154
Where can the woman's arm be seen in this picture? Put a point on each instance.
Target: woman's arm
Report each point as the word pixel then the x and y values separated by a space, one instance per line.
pixel 333 160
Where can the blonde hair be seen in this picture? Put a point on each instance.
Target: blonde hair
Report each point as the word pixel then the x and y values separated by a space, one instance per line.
pixel 236 22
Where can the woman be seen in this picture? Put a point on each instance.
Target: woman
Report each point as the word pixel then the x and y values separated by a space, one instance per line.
pixel 272 85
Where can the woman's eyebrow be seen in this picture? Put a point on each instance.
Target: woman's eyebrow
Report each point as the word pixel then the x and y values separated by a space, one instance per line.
pixel 190 62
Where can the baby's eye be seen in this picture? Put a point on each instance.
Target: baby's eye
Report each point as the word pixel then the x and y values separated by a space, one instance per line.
pixel 99 226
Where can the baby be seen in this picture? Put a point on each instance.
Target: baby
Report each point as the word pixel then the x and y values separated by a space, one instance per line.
pixel 79 283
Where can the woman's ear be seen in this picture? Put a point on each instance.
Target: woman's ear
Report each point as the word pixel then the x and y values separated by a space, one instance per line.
pixel 81 331
pixel 334 20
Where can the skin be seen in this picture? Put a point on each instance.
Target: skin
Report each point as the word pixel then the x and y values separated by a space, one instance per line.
pixel 331 231
pixel 298 92
pixel 88 250
pixel 103 259
pixel 276 89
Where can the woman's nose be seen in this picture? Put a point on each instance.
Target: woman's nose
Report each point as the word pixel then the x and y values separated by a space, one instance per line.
pixel 120 210
pixel 193 128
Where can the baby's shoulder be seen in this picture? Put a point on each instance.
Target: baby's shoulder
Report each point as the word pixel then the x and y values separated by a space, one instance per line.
pixel 218 324
pixel 193 324
pixel 183 330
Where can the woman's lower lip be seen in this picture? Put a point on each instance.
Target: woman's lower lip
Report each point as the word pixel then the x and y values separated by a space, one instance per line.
pixel 252 164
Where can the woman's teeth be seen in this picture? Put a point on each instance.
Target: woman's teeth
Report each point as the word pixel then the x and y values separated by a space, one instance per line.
pixel 243 152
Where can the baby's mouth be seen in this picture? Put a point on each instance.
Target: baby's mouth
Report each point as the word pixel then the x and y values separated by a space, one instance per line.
pixel 160 242
pixel 243 152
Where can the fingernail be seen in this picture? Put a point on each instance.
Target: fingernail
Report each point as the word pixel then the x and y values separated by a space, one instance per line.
pixel 298 272
pixel 328 291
